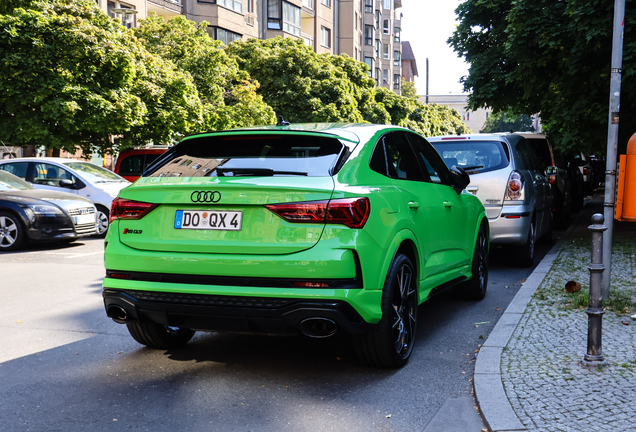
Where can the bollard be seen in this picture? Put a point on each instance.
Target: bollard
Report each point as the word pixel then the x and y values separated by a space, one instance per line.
pixel 594 356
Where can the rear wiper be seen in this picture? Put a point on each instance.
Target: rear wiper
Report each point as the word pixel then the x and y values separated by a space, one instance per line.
pixel 255 172
pixel 469 168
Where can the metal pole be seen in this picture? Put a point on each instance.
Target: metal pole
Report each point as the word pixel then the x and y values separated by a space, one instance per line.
pixel 594 356
pixel 612 140
pixel 427 81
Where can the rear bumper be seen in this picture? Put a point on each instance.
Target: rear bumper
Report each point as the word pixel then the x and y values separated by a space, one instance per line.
pixel 232 313
pixel 511 227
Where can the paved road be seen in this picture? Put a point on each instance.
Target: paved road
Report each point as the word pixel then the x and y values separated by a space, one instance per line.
pixel 65 366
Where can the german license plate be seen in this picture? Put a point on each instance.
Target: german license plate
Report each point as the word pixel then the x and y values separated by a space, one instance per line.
pixel 84 219
pixel 208 220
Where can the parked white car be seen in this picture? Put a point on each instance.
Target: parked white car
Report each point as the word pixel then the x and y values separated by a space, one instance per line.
pixel 85 179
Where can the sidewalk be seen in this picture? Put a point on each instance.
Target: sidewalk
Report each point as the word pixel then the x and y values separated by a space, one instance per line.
pixel 528 376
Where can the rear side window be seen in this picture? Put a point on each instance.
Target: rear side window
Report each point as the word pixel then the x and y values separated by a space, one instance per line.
pixel 132 165
pixel 252 155
pixel 542 148
pixel 18 169
pixel 473 156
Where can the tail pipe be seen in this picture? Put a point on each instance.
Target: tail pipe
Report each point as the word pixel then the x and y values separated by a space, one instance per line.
pixel 117 314
pixel 318 327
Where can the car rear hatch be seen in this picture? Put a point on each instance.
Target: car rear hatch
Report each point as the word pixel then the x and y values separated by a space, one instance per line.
pixel 487 163
pixel 210 194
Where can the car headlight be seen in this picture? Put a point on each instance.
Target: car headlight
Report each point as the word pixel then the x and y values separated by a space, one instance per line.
pixel 45 210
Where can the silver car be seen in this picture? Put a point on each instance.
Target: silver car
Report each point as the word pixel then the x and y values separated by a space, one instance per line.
pixel 510 180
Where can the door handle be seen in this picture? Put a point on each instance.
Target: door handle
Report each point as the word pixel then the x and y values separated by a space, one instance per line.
pixel 448 204
pixel 414 204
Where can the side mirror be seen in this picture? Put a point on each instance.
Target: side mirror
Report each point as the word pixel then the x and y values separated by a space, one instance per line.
pixel 459 177
pixel 66 183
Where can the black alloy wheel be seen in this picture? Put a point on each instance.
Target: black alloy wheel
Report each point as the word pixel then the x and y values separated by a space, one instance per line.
pixel 475 288
pixel 390 343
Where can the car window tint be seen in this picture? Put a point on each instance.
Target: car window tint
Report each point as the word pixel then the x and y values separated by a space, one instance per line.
pixel 378 159
pixel 402 162
pixel 251 155
pixel 18 169
pixel 541 147
pixel 431 160
pixel 530 160
pixel 132 165
pixel 473 156
pixel 50 175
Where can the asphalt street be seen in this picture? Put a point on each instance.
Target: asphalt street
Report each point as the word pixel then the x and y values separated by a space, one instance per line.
pixel 65 366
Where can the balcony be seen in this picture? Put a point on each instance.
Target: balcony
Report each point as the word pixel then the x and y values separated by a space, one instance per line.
pixel 309 40
pixel 165 7
pixel 309 4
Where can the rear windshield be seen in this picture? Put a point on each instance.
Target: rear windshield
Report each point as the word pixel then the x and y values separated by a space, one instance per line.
pixel 267 155
pixel 473 156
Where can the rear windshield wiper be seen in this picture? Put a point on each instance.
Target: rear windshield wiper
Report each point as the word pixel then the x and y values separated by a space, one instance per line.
pixel 470 168
pixel 255 172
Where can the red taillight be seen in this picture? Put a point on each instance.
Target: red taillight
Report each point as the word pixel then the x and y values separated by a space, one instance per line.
pixel 552 179
pixel 585 171
pixel 514 187
pixel 352 212
pixel 127 209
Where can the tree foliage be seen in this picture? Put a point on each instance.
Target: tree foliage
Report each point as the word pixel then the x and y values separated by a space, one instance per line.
pixel 229 95
pixel 73 77
pixel 409 90
pixel 506 122
pixel 547 57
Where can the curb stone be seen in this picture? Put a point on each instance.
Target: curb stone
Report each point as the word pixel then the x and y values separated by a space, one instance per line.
pixel 489 390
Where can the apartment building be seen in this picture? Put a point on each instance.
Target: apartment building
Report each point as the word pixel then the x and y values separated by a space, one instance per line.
pixel 131 11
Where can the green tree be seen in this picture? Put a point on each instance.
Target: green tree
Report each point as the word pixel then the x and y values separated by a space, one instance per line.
pixel 547 57
pixel 506 122
pixel 409 90
pixel 73 77
pixel 300 85
pixel 229 95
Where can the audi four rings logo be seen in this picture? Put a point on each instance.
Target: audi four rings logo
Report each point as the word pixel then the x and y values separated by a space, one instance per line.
pixel 205 196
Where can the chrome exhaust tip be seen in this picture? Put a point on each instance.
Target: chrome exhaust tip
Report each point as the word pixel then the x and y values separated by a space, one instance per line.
pixel 318 327
pixel 117 314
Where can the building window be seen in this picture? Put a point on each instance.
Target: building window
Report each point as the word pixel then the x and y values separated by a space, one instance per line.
pixel 128 20
pixel 386 52
pixel 396 82
pixel 325 37
pixel 387 4
pixel 326 2
pixel 386 26
pixel 377 19
pixel 309 4
pixel 396 58
pixel 368 35
pixel 274 14
pixel 250 6
pixel 371 63
pixel 385 77
pixel 220 34
pixel 396 34
pixel 291 18
pixel 467 115
pixel 377 76
pixel 378 44
pixel 235 5
pixel 368 6
pixel 355 22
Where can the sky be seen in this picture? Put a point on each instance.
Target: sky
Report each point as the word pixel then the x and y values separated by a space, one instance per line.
pixel 427 25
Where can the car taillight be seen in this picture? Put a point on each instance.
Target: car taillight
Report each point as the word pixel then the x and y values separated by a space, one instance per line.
pixel 514 189
pixel 552 179
pixel 127 209
pixel 585 171
pixel 352 212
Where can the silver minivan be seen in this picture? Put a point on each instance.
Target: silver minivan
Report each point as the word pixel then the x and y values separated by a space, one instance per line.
pixel 510 180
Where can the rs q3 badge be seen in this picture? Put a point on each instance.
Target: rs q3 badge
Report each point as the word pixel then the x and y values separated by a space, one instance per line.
pixel 205 196
pixel 129 231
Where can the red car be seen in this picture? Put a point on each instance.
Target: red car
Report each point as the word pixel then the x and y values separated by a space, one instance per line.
pixel 131 163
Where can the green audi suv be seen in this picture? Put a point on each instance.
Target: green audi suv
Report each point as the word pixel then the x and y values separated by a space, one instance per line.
pixel 308 228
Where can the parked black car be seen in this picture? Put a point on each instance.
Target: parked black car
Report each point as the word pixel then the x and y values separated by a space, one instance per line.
pixel 560 181
pixel 35 215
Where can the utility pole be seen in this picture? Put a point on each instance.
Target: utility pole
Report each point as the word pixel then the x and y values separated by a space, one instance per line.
pixel 612 141
pixel 427 80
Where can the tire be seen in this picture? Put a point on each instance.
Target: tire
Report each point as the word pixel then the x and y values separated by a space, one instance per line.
pixel 103 220
pixel 390 343
pixel 475 287
pixel 524 255
pixel 548 237
pixel 12 234
pixel 159 336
